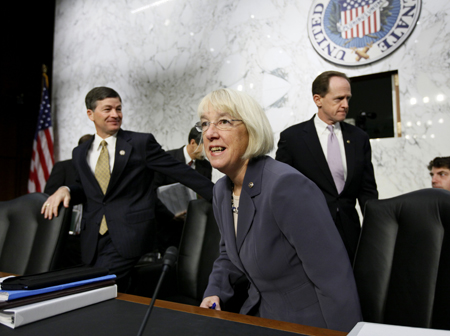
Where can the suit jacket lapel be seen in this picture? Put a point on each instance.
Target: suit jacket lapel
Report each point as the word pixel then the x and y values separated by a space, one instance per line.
pixel 123 151
pixel 227 224
pixel 227 215
pixel 84 165
pixel 349 144
pixel 250 189
pixel 313 143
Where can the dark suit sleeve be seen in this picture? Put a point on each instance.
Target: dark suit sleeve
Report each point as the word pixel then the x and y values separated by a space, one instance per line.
pixel 283 153
pixel 56 179
pixel 160 161
pixel 161 179
pixel 223 276
pixel 77 195
pixel 368 189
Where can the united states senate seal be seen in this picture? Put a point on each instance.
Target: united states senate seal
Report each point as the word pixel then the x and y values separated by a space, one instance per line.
pixel 359 32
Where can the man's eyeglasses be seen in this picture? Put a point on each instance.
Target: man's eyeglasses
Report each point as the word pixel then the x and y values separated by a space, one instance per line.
pixel 222 124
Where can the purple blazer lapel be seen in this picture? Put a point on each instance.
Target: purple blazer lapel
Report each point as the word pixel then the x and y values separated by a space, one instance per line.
pixel 226 222
pixel 251 188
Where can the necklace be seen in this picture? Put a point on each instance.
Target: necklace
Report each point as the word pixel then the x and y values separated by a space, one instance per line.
pixel 234 209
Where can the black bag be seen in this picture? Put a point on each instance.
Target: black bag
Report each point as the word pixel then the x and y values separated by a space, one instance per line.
pixel 53 278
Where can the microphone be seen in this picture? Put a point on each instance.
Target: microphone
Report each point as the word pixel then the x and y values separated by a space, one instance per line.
pixel 169 259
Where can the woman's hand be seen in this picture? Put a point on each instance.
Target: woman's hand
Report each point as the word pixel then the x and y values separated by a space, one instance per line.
pixel 208 302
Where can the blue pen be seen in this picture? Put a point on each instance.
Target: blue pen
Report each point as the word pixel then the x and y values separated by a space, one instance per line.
pixel 213 306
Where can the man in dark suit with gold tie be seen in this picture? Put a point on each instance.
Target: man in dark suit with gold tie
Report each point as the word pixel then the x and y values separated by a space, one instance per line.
pixel 333 154
pixel 115 170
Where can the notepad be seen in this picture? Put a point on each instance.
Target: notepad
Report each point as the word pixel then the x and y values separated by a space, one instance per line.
pixel 19 316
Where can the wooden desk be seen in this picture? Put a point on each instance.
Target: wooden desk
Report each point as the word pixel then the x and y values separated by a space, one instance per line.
pixel 258 321
pixel 251 320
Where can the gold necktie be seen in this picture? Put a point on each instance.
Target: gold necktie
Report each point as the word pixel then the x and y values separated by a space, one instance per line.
pixel 102 174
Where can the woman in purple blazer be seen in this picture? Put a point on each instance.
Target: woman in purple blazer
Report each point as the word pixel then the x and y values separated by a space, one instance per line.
pixel 275 225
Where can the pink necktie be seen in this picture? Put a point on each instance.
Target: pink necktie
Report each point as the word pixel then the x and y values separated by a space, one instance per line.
pixel 335 160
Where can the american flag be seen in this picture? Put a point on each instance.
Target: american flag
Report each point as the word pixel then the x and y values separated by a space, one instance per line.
pixel 42 158
pixel 359 17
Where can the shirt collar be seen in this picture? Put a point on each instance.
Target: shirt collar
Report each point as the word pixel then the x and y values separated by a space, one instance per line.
pixel 111 141
pixel 187 158
pixel 321 125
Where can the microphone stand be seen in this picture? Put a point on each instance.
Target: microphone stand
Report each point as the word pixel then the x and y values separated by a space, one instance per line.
pixel 169 259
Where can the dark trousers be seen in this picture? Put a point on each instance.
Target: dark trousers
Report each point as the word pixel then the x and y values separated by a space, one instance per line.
pixel 349 239
pixel 107 256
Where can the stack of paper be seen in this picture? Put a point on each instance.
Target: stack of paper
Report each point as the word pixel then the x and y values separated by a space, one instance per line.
pixel 176 197
pixel 20 307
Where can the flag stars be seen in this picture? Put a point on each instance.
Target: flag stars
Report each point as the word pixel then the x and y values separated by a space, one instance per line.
pixel 352 4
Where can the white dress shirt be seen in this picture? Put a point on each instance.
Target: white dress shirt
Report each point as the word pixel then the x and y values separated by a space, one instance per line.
pixel 187 158
pixel 94 151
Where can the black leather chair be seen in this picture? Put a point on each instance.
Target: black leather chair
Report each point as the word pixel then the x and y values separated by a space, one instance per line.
pixel 29 243
pixel 199 248
pixel 402 265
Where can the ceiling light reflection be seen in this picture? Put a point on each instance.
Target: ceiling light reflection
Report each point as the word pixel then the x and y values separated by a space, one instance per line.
pixel 157 3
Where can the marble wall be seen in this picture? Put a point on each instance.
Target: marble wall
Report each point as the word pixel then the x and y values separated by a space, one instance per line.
pixel 164 56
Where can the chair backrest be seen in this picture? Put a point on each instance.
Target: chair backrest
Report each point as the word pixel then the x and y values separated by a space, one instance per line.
pixel 199 248
pixel 29 243
pixel 402 265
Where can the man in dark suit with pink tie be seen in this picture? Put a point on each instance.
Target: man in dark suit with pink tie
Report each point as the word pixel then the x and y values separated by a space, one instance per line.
pixel 335 155
pixel 115 170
